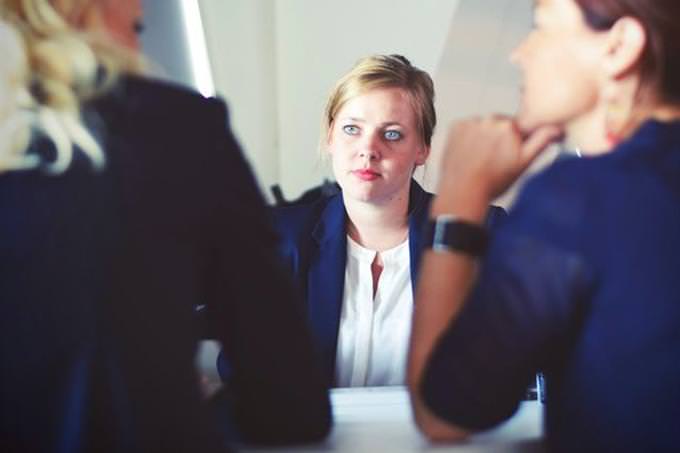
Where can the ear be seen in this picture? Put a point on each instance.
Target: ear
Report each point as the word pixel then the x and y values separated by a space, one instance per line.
pixel 422 154
pixel 329 137
pixel 625 45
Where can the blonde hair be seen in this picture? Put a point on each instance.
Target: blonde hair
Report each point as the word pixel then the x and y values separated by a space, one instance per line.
pixel 53 69
pixel 385 71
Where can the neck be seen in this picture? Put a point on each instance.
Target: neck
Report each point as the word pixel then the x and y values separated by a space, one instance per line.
pixel 666 113
pixel 378 227
pixel 587 133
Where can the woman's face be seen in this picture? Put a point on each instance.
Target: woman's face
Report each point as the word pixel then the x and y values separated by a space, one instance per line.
pixel 560 61
pixel 375 144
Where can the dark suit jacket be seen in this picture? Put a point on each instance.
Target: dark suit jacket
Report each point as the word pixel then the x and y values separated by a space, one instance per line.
pixel 313 244
pixel 100 274
pixel 581 281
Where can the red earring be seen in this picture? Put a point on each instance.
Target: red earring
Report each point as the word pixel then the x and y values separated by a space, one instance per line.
pixel 614 123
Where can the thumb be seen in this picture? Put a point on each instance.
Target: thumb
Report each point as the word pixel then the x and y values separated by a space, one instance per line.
pixel 538 141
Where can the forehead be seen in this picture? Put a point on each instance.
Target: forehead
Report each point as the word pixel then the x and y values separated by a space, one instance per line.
pixel 566 13
pixel 389 103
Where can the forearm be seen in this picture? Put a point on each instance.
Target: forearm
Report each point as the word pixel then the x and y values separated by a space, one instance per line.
pixel 445 279
pixel 482 158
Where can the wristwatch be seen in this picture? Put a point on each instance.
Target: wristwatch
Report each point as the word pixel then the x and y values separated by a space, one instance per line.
pixel 448 233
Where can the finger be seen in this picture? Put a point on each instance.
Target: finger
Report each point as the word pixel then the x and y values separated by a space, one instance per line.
pixel 501 117
pixel 538 141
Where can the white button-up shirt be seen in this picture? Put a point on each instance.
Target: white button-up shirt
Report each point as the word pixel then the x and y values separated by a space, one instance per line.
pixel 374 332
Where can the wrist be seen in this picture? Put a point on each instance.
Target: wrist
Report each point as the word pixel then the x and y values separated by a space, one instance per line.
pixel 468 201
pixel 448 233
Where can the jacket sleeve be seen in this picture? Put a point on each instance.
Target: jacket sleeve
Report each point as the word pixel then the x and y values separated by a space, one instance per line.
pixel 519 317
pixel 276 384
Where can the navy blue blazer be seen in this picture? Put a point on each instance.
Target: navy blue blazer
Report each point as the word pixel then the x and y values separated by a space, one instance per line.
pixel 313 245
pixel 581 281
pixel 100 273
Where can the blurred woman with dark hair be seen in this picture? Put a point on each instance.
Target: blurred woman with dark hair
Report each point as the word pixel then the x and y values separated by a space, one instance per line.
pixel 582 279
pixel 118 196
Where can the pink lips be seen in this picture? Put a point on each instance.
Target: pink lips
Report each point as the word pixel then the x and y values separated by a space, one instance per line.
pixel 366 174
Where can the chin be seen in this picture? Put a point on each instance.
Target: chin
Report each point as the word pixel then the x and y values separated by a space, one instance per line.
pixel 527 122
pixel 360 195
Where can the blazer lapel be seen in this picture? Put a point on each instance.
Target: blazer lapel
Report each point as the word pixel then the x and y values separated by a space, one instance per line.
pixel 419 209
pixel 327 279
pixel 419 204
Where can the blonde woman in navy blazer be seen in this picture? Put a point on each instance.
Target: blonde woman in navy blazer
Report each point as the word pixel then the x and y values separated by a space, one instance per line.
pixel 378 124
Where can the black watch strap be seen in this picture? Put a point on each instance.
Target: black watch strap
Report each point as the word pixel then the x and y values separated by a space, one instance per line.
pixel 448 233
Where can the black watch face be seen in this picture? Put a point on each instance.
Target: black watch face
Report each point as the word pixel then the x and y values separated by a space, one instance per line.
pixel 450 234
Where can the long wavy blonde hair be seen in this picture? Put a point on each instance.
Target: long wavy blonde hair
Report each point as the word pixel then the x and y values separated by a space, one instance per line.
pixel 51 63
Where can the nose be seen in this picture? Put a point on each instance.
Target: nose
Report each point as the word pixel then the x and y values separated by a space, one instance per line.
pixel 371 146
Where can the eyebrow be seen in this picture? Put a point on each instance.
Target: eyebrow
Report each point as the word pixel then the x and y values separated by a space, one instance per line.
pixel 360 120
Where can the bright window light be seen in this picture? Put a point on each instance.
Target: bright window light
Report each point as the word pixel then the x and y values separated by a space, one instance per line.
pixel 200 63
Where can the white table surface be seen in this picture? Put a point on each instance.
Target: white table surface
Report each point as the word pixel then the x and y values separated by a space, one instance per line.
pixel 378 419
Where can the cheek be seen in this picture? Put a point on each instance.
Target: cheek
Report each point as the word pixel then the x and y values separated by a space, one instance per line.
pixel 122 29
pixel 559 86
pixel 405 163
pixel 341 147
pixel 337 159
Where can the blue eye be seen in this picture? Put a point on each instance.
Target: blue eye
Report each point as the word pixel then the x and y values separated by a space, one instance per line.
pixel 350 129
pixel 392 135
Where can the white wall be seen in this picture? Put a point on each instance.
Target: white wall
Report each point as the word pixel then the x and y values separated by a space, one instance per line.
pixel 240 36
pixel 164 40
